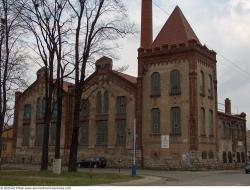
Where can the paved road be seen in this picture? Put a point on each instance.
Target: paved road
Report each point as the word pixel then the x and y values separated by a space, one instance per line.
pixel 187 178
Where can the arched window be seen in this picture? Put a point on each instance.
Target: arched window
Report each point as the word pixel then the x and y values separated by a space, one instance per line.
pixel 121 104
pixel 202 83
pixel 175 82
pixel 155 120
pixel 99 102
pixel 210 86
pixel 176 120
pixel 224 157
pixel 204 155
pixel 85 107
pixel 211 121
pixel 155 84
pixel 106 102
pixel 202 122
pixel 27 111
pixel 230 159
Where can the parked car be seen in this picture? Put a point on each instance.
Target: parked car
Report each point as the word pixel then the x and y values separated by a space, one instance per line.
pixel 95 162
pixel 247 168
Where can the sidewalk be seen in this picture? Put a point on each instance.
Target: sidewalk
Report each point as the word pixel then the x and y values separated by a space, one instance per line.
pixel 146 181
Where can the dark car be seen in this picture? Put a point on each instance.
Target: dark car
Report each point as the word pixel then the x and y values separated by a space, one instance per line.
pixel 95 162
pixel 247 168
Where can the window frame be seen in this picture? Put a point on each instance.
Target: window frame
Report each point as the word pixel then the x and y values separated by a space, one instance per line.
pixel 155 84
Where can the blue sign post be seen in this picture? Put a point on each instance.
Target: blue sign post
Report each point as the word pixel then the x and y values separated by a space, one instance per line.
pixel 134 151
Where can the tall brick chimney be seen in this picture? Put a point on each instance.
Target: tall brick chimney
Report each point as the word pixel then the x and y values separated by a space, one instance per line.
pixel 146 24
pixel 228 106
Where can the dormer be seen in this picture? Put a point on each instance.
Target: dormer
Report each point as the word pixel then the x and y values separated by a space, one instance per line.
pixel 104 64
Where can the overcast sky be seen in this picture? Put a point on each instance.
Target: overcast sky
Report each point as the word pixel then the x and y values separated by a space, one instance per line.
pixel 223 25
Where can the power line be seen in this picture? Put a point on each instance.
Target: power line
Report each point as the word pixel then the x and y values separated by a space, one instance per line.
pixel 163 10
pixel 226 59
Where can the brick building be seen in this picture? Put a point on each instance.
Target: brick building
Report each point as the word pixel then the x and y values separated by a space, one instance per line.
pixel 174 97
pixel 8 146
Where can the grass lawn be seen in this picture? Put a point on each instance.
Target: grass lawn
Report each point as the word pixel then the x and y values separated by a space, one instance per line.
pixel 47 178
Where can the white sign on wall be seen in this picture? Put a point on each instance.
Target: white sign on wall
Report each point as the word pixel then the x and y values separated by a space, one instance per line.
pixel 165 141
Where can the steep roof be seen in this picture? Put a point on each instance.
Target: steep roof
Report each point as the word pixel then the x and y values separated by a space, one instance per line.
pixel 130 78
pixel 176 30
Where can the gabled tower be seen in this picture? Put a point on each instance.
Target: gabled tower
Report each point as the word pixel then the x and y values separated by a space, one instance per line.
pixel 176 83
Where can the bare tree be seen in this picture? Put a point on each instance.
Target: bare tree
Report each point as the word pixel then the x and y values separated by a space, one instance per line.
pixel 98 24
pixel 47 21
pixel 12 61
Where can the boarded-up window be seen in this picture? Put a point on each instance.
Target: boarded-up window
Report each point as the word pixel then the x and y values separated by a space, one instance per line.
pixel 121 104
pixel 202 83
pixel 155 120
pixel 52 134
pixel 175 82
pixel 176 120
pixel 39 134
pixel 121 132
pixel 26 134
pixel 210 86
pixel 224 157
pixel 84 133
pixel 155 84
pixel 101 133
pixel 202 122
pixel 27 111
pixel 211 122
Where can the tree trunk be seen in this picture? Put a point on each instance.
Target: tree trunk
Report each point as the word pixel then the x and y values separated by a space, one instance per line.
pixel 59 112
pixel 75 131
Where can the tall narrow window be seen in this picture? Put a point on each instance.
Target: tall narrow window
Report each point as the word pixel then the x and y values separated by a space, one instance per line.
pixel 99 102
pixel 39 134
pixel 155 120
pixel 210 86
pixel 106 102
pixel 175 82
pixel 224 157
pixel 230 159
pixel 121 132
pixel 54 110
pixel 43 107
pixel 176 120
pixel 202 83
pixel 27 111
pixel 242 157
pixel 121 104
pixel 101 133
pixel 211 121
pixel 85 107
pixel 52 134
pixel 26 134
pixel 155 84
pixel 202 122
pixel 38 107
pixel 84 133
pixel 238 157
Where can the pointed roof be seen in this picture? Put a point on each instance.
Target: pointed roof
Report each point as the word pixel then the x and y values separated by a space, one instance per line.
pixel 176 30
